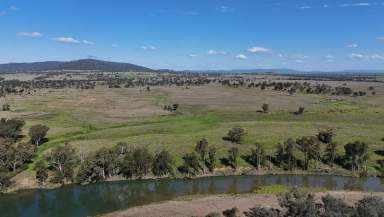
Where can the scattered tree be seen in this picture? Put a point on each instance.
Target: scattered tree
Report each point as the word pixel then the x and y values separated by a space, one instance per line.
pixel 235 135
pixel 265 108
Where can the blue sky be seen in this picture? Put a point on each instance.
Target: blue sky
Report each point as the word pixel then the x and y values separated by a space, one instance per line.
pixel 197 34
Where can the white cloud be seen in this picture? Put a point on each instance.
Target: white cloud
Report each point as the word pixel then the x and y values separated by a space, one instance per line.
pixel 329 58
pixel 225 9
pixel 353 45
pixel 88 42
pixel 149 48
pixel 14 8
pixel 67 40
pixel 216 52
pixel 325 6
pixel 361 4
pixel 299 61
pixel 377 57
pixel 241 57
pixel 356 56
pixel 3 13
pixel 114 45
pixel 29 34
pixel 366 56
pixel 380 38
pixel 259 50
pixel 305 7
pixel 192 55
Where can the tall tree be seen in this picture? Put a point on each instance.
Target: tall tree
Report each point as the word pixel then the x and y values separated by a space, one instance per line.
pixel 137 163
pixel 202 149
pixel 41 172
pixel 331 153
pixel 211 162
pixel 357 155
pixel 163 164
pixel 232 157
pixel 62 160
pixel 257 156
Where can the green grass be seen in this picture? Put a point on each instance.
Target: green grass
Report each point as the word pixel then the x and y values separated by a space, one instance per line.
pixel 351 119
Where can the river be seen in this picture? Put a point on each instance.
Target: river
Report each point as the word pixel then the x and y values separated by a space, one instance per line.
pixel 99 198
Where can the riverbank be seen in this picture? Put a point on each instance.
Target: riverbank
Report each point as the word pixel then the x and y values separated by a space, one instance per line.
pixel 201 206
pixel 24 181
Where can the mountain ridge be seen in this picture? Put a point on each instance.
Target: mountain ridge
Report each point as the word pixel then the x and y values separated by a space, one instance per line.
pixel 82 64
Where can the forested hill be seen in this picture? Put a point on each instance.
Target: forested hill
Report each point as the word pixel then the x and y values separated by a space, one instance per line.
pixel 84 64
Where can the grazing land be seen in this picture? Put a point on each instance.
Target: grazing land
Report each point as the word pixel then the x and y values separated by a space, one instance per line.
pixel 102 116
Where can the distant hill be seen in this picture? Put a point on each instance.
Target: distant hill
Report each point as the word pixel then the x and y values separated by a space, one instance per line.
pixel 84 64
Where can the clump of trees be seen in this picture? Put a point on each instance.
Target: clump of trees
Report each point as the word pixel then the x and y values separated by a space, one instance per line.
pixel 171 108
pixel 14 153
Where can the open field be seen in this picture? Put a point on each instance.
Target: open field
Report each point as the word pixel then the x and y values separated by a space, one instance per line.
pixel 102 117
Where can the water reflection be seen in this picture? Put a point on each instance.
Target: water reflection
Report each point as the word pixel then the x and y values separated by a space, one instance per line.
pixel 79 201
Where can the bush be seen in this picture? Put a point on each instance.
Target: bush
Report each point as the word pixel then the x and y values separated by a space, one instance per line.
pixel 370 207
pixel 231 212
pixel 263 212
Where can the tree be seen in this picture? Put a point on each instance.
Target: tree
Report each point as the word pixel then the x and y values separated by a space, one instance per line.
pixel 331 153
pixel 325 136
pixel 259 211
pixel 162 164
pixel 289 149
pixel 356 153
pixel 62 160
pixel 5 181
pixel 310 146
pixel 300 111
pixel 6 107
pixel 369 207
pixel 335 207
pixel 137 163
pixel 211 162
pixel 232 157
pixel 235 135
pixel 257 156
pixel 202 148
pixel 41 172
pixel 231 212
pixel 265 108
pixel 12 156
pixel 297 203
pixel 37 134
pixel 11 128
pixel 190 164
